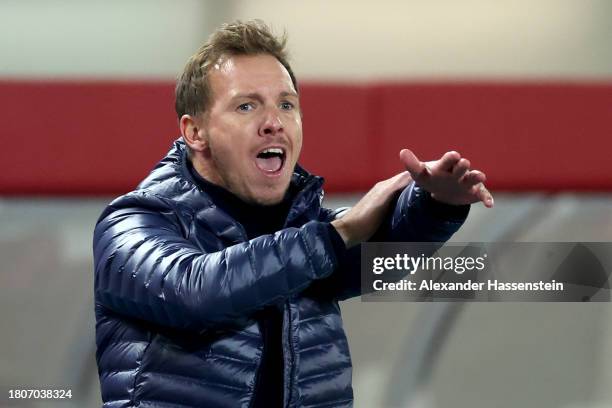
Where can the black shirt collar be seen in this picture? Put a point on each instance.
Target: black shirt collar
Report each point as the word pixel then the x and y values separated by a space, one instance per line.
pixel 255 218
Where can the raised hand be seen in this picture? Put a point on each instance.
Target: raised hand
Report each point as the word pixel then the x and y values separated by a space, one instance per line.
pixel 448 179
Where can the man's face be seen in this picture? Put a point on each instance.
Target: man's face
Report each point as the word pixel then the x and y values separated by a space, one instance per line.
pixel 253 128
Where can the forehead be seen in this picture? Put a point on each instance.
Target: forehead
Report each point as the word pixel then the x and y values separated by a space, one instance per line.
pixel 239 74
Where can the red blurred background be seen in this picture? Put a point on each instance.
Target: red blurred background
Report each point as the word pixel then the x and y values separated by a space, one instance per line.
pixel 102 137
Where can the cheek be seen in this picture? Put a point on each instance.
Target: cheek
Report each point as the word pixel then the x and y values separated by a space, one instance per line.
pixel 228 160
pixel 298 145
pixel 297 142
pixel 226 146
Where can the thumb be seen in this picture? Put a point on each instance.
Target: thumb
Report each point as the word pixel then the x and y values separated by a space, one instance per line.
pixel 412 163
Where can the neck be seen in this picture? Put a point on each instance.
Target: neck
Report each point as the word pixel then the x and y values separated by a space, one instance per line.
pixel 256 219
pixel 203 165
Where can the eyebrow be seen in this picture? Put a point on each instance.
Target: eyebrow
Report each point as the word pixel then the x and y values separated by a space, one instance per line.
pixel 254 95
pixel 285 93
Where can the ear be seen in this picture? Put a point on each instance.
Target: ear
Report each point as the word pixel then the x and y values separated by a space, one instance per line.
pixel 193 133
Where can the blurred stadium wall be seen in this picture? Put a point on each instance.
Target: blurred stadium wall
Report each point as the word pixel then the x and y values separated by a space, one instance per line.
pixel 522 88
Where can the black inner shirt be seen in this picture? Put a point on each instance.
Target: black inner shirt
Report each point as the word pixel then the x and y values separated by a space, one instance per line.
pixel 259 220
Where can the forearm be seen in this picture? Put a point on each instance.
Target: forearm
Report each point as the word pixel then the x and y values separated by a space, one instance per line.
pixel 417 217
pixel 413 217
pixel 156 275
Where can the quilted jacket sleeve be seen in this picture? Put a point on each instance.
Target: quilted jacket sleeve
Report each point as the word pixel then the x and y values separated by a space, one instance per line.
pixel 416 217
pixel 146 268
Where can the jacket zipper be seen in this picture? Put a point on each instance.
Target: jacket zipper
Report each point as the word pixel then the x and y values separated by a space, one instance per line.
pixel 291 367
pixel 288 332
pixel 257 373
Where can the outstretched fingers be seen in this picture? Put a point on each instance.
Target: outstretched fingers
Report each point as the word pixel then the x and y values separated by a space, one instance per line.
pixel 449 160
pixel 461 168
pixel 473 177
pixel 415 167
pixel 481 192
pixel 448 179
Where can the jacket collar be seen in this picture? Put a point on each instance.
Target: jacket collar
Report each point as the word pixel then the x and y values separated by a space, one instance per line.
pixel 184 190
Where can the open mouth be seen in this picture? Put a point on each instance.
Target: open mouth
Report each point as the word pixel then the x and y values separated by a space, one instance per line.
pixel 271 160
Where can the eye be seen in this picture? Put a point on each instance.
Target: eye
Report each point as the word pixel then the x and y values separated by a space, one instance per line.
pixel 245 107
pixel 286 105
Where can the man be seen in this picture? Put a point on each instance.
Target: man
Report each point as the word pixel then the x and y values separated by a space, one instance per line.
pixel 217 281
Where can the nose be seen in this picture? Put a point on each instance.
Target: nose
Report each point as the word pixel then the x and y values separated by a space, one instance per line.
pixel 271 125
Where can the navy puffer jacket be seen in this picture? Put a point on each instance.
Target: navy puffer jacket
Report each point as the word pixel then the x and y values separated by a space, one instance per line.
pixel 177 283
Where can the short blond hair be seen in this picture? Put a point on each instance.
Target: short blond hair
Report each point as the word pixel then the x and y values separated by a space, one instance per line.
pixel 193 93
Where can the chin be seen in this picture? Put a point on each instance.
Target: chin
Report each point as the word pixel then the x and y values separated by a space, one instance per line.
pixel 269 200
pixel 268 197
